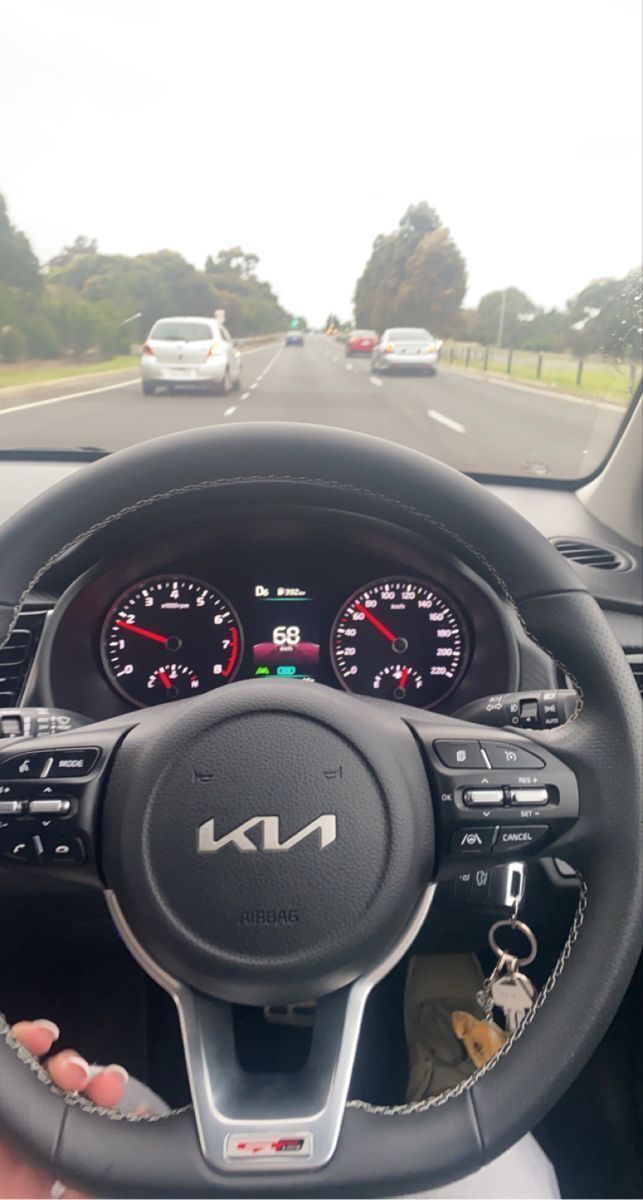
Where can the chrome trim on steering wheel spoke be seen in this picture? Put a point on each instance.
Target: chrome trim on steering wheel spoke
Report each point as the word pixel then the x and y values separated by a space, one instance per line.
pixel 280 1122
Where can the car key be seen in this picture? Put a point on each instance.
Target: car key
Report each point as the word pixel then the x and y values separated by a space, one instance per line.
pixel 514 994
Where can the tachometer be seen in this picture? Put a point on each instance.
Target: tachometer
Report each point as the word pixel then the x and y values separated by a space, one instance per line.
pixel 170 637
pixel 402 640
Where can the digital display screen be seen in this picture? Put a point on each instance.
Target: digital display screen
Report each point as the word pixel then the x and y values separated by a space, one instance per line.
pixel 285 632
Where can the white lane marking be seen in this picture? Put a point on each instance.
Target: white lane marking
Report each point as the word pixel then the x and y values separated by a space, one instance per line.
pixel 349 366
pixel 95 391
pixel 70 396
pixel 272 360
pixel 442 420
pixel 375 381
pixel 253 386
pixel 245 395
pixel 229 411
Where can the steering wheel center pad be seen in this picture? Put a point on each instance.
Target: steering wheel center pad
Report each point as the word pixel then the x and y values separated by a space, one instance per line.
pixel 338 820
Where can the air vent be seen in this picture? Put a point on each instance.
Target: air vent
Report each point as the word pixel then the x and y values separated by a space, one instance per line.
pixel 17 656
pixel 636 663
pixel 590 554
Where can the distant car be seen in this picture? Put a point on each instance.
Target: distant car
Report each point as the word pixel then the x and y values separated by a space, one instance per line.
pixel 361 341
pixel 294 337
pixel 406 349
pixel 191 350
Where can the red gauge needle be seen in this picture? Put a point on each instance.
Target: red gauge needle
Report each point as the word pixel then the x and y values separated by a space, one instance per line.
pixel 165 680
pixel 154 637
pixel 374 621
pixel 404 676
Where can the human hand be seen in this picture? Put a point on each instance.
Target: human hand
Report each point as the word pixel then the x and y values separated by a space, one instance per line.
pixel 71 1073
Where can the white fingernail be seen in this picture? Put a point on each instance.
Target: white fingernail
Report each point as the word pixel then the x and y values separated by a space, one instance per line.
pixel 50 1025
pixel 117 1069
pixel 78 1062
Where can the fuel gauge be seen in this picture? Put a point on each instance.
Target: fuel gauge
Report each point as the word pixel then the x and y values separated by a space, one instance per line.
pixel 398 682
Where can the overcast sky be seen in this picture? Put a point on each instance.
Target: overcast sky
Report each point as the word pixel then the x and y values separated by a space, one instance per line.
pixel 302 130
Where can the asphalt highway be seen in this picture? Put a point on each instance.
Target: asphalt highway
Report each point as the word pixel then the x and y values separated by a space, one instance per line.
pixel 478 424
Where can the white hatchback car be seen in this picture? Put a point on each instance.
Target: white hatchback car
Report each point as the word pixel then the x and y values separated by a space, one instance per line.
pixel 190 350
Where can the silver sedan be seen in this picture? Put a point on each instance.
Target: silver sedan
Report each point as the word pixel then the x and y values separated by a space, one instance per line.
pixel 406 349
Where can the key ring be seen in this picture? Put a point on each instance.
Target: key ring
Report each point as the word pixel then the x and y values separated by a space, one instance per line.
pixel 522 928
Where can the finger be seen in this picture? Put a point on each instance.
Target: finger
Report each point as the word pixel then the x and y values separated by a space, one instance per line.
pixel 36 1036
pixel 69 1071
pixel 108 1086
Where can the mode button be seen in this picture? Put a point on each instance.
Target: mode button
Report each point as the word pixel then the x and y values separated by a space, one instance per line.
pixel 70 764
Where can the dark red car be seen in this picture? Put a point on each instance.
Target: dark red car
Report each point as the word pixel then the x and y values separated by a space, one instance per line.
pixel 361 341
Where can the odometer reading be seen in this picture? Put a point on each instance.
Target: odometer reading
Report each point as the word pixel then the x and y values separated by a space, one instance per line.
pixel 168 638
pixel 401 640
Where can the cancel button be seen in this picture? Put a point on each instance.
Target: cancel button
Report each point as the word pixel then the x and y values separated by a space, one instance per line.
pixel 519 837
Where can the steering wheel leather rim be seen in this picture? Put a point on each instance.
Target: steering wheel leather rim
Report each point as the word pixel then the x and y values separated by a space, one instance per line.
pixel 380 1150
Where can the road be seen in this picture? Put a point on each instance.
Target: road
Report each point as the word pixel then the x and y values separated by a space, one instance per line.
pixel 473 423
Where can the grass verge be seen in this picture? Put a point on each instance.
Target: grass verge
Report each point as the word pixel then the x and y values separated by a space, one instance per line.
pixel 15 374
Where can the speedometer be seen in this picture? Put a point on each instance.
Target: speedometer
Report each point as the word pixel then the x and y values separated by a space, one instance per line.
pixel 402 640
pixel 168 638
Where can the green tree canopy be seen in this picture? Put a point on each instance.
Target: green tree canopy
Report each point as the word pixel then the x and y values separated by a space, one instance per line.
pixel 18 264
pixel 414 276
pixel 517 306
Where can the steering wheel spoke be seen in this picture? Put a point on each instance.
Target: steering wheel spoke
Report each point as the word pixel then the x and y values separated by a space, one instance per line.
pixel 270 1121
pixel 497 795
pixel 50 795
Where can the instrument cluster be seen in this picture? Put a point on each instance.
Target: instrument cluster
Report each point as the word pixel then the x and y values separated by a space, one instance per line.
pixel 321 598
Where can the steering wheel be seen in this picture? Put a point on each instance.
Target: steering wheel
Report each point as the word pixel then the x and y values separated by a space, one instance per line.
pixel 273 842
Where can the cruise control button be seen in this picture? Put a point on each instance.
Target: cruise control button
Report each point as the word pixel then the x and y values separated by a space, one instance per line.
pixel 46 808
pixel 482 796
pixel 62 851
pixel 68 764
pixel 519 837
pixel 473 840
pixel 529 795
pixel 505 756
pixel 460 754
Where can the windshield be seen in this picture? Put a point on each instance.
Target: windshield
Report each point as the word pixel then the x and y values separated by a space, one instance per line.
pixel 460 184
pixel 180 331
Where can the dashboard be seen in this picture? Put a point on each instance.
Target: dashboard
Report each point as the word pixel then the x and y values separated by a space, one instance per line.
pixel 317 597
